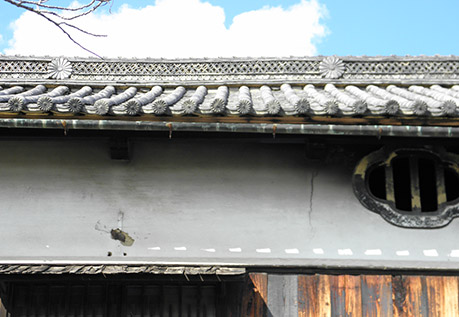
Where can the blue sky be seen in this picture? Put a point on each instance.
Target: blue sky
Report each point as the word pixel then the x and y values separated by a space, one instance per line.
pixel 353 27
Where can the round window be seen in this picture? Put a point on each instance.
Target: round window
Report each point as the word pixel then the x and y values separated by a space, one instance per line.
pixel 416 188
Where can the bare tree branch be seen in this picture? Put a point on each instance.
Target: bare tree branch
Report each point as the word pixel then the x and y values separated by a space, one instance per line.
pixel 81 30
pixel 40 4
pixel 64 17
pixel 57 15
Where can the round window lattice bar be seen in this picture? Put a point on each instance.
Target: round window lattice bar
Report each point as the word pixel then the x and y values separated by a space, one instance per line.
pixel 410 187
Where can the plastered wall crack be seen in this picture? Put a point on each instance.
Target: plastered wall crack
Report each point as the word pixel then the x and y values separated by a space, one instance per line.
pixel 311 196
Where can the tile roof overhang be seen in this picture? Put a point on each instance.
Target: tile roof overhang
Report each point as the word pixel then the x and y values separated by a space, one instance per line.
pixel 408 96
pixel 126 268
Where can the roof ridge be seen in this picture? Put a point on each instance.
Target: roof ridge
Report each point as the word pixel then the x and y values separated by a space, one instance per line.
pixel 233 58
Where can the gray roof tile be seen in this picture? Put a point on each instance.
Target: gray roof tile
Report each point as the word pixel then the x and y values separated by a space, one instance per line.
pixel 267 100
pixel 252 87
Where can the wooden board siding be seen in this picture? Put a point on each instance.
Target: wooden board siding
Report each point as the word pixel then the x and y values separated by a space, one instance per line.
pixel 351 295
pixel 259 295
pixel 107 299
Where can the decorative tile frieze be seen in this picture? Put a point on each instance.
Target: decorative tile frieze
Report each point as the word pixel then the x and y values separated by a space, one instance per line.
pixel 60 68
pixel 330 68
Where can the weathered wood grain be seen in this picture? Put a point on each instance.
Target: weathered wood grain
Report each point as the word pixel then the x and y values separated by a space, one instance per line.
pixel 409 296
pixel 377 295
pixel 324 296
pixel 337 295
pixel 451 296
pixel 442 295
pixel 399 296
pixel 314 296
pixel 262 294
pixel 308 304
pixel 353 296
pixel 434 288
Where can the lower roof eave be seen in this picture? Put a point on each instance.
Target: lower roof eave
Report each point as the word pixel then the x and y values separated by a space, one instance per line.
pixel 222 270
pixel 108 269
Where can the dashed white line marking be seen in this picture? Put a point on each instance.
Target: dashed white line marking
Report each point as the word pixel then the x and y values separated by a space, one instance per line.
pixel 180 248
pixel 209 250
pixel 454 254
pixel 292 251
pixel 345 252
pixel 373 252
pixel 431 252
pixel 318 251
pixel 235 250
pixel 154 248
pixel 266 250
pixel 402 253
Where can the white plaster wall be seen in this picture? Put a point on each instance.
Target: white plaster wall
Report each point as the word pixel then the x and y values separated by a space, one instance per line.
pixel 197 202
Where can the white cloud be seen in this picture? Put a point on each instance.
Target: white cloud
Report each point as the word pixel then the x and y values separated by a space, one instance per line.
pixel 179 28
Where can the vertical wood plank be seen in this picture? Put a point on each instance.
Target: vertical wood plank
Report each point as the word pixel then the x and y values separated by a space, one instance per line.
pixel 353 294
pixel 308 295
pixel 229 301
pixel 189 302
pixel 434 287
pixel 426 296
pixel 377 295
pixel 416 296
pixel 171 301
pixel 282 295
pixel 337 295
pixel 255 295
pixel 314 296
pixel 451 299
pixel 207 305
pixel 152 299
pixel 276 299
pixel 442 295
pixel 399 296
pixel 324 296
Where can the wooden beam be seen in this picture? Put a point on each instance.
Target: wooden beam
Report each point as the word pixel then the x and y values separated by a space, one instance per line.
pixel 390 194
pixel 441 191
pixel 414 182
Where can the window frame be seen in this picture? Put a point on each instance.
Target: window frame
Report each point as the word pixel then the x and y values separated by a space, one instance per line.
pixel 445 212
